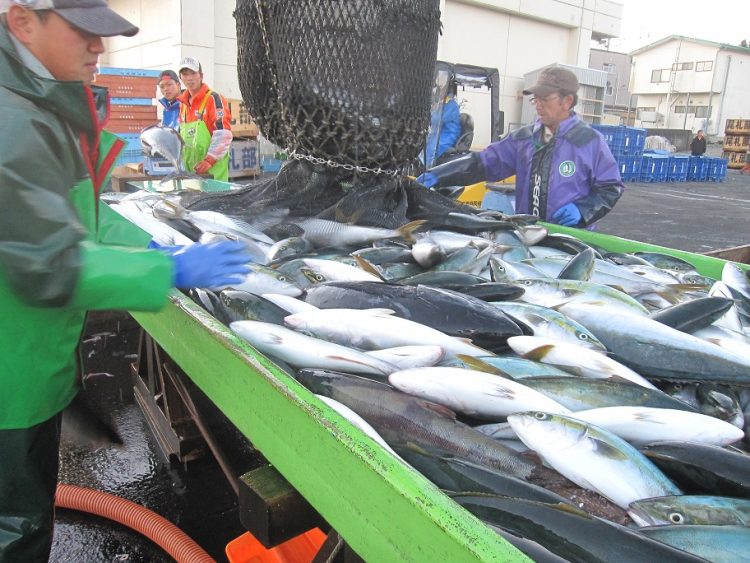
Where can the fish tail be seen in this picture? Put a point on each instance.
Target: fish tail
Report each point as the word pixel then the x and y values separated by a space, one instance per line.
pixel 406 231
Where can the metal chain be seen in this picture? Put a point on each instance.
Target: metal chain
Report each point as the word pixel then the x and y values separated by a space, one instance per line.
pixel 350 167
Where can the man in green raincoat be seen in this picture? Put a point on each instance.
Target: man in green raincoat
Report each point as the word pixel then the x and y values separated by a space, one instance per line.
pixel 205 124
pixel 58 256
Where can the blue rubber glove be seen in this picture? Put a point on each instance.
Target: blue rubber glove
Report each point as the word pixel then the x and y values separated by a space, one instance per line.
pixel 568 215
pixel 428 179
pixel 211 265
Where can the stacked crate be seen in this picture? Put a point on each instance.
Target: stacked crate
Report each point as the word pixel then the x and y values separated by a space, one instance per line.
pixel 736 142
pixel 626 144
pixel 132 106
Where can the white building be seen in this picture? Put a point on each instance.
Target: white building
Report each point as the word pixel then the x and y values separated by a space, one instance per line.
pixel 514 37
pixel 687 83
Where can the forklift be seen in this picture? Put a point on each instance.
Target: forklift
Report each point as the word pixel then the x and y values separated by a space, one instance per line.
pixel 448 78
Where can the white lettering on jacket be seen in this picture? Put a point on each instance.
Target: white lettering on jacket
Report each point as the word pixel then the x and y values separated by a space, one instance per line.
pixel 535 195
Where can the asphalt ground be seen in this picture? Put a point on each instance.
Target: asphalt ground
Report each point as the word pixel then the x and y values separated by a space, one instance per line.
pixel 692 216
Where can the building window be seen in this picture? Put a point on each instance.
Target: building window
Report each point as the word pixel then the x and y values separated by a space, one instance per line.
pixel 610 89
pixel 702 111
pixel 704 66
pixel 660 75
pixel 679 109
pixel 609 67
pixel 682 66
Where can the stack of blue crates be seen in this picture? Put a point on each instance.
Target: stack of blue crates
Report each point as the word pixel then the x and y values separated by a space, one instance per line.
pixel 626 144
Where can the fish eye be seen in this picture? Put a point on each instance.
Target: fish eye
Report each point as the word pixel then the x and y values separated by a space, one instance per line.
pixel 540 415
pixel 676 518
pixel 281 278
pixel 583 336
pixel 526 282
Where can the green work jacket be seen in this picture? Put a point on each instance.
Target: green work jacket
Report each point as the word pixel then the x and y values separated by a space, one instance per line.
pixel 58 259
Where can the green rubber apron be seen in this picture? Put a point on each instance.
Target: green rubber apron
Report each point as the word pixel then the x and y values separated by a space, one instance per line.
pixel 197 141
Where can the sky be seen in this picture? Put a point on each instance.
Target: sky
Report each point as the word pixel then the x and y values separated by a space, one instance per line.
pixel 647 21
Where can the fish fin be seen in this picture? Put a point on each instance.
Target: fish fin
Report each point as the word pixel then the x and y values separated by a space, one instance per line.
pixel 367 266
pixel 406 231
pixel 478 365
pixel 439 409
pixel 351 219
pixel 538 353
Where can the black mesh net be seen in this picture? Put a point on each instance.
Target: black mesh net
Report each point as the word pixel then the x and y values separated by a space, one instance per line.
pixel 345 80
pixel 345 85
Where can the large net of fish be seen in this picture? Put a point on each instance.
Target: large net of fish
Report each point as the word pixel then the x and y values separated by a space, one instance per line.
pixel 345 86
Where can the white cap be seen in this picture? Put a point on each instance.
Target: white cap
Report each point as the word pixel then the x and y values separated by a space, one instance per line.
pixel 190 63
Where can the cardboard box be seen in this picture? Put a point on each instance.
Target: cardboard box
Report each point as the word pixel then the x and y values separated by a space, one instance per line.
pixel 242 122
pixel 244 158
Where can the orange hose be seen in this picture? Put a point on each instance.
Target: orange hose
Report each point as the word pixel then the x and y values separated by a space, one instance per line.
pixel 158 529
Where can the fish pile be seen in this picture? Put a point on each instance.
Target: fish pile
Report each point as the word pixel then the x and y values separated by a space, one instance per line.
pixel 496 358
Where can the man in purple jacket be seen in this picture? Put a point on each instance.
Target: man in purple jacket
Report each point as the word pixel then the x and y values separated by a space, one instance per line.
pixel 565 172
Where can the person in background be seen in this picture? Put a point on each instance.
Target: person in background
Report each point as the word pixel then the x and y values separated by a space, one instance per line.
pixel 698 144
pixel 205 124
pixel 58 256
pixel 445 128
pixel 169 85
pixel 565 172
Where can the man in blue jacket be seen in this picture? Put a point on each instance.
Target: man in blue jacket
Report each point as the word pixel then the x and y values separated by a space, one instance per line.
pixel 565 172
pixel 169 85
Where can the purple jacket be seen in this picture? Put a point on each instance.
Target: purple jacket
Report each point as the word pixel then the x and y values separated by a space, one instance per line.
pixel 582 168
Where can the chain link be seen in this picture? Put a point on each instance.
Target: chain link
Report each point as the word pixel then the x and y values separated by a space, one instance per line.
pixel 349 167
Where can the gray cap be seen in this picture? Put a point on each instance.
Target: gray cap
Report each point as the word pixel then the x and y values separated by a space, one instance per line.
pixel 91 16
pixel 554 79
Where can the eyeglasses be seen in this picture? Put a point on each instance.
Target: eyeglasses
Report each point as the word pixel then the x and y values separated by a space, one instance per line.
pixel 543 99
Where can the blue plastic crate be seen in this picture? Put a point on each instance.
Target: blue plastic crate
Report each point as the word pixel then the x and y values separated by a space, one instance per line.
pixel 698 168
pixel 654 168
pixel 630 167
pixel 718 170
pixel 678 168
pixel 623 140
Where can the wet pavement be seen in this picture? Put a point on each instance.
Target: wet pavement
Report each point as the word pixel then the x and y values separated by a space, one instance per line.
pixel 196 496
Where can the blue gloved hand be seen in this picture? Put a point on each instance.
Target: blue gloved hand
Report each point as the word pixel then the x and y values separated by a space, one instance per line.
pixel 568 215
pixel 211 265
pixel 428 179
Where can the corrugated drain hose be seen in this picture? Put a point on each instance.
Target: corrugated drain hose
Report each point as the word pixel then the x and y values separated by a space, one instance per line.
pixel 144 521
